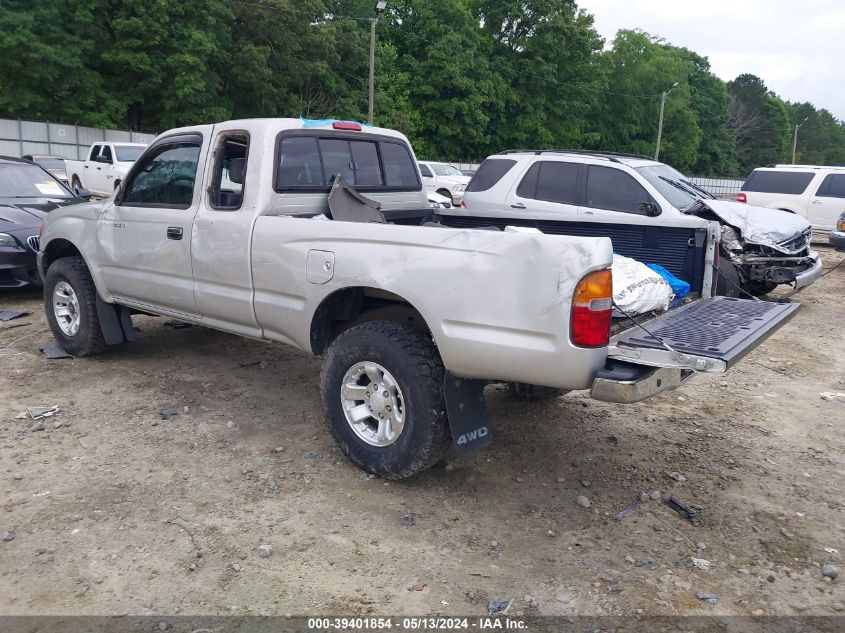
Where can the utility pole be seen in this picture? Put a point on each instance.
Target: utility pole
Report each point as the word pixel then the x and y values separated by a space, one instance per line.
pixel 380 6
pixel 660 120
pixel 795 138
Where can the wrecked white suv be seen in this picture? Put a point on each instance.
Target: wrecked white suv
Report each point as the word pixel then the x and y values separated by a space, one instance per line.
pixel 644 206
pixel 319 235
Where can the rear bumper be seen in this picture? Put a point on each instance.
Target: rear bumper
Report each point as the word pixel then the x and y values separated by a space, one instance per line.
pixel 837 240
pixel 627 383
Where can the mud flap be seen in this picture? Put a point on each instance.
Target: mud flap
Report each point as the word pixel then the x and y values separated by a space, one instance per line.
pixel 468 419
pixel 115 322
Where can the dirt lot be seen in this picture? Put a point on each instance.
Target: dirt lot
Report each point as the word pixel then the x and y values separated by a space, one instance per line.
pixel 115 510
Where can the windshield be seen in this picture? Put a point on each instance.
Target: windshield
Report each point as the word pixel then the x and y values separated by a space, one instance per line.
pixel 445 170
pixel 673 185
pixel 18 180
pixel 128 153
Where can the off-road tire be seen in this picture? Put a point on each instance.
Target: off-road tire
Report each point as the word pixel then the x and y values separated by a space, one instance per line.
pixel 411 357
pixel 534 393
pixel 89 339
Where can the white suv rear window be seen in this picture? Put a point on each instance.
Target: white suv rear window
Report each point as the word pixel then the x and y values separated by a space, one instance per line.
pixel 789 182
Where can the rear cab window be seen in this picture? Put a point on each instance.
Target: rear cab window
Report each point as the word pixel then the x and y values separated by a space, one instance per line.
pixel 786 182
pixel 490 172
pixel 312 162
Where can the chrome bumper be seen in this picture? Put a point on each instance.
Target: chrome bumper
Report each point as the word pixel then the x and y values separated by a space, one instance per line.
pixel 804 279
pixel 634 390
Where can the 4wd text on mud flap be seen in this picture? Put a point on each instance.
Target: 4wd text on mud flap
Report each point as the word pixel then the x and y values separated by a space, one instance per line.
pixel 470 436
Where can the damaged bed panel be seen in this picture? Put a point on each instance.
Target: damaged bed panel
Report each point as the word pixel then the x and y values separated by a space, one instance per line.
pixel 497 303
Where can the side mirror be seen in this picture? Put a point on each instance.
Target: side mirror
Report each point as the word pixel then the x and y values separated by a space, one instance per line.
pixel 650 209
pixel 81 192
pixel 104 159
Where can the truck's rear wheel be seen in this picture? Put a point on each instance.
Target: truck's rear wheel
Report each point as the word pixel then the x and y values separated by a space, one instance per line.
pixel 70 303
pixel 382 393
pixel 75 184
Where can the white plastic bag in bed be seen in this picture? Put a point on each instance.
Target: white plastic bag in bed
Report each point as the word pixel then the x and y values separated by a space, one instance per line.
pixel 637 289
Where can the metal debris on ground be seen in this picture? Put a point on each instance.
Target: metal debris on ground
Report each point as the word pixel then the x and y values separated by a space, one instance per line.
pixel 628 511
pixel 499 606
pixel 168 413
pixel 52 352
pixel 36 413
pixel 8 315
pixel 690 512
pixel 408 520
pixel 177 325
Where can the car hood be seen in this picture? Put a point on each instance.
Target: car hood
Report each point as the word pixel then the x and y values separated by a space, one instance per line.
pixel 458 180
pixel 30 213
pixel 759 225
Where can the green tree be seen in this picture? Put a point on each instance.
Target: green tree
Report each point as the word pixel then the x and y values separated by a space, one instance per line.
pixel 760 122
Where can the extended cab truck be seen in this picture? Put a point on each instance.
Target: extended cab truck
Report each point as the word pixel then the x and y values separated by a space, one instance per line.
pixel 104 169
pixel 233 226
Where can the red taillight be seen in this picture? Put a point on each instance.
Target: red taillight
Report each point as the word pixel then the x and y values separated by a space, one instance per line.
pixel 463 204
pixel 592 310
pixel 740 197
pixel 347 125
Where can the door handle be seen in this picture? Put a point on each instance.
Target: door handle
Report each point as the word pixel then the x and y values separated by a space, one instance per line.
pixel 86 166
pixel 174 232
pixel 817 201
pixel 98 169
pixel 518 205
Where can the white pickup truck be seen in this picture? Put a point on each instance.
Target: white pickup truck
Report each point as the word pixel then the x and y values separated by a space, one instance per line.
pixel 104 169
pixel 319 235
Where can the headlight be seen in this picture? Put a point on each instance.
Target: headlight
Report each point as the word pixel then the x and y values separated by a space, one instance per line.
pixel 842 224
pixel 458 187
pixel 8 241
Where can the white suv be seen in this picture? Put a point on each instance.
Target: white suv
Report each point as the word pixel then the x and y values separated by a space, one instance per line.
pixel 815 192
pixel 642 205
pixel 444 179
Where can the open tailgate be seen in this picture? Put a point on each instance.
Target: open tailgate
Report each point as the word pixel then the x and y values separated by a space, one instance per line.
pixel 710 335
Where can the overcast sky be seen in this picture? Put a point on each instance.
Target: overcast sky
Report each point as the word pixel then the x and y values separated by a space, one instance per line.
pixel 797 47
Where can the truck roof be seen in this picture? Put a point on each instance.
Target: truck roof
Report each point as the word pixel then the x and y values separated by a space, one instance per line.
pixel 279 124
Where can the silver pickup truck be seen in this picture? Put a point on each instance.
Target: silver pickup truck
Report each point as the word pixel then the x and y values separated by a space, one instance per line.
pixel 318 235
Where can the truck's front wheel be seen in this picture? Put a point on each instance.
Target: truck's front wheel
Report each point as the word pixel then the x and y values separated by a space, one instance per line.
pixel 382 393
pixel 70 303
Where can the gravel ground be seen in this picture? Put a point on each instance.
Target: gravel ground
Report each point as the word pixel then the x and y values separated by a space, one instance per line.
pixel 109 507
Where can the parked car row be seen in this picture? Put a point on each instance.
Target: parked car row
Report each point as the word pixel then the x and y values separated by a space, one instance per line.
pixel 321 235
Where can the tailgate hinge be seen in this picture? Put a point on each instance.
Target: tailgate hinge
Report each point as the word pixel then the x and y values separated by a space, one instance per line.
pixel 653 357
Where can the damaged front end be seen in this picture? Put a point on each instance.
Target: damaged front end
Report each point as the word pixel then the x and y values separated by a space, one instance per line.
pixel 767 247
pixel 762 268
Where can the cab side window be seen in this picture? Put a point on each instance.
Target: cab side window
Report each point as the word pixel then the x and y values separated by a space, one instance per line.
pixel 614 190
pixel 106 153
pixel 164 176
pixel 833 186
pixel 227 185
pixel 425 171
pixel 95 150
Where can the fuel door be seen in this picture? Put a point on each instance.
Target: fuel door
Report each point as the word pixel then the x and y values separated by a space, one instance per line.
pixel 319 267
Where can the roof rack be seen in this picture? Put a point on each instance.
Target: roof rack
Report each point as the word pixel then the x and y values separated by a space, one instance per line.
pixel 781 165
pixel 611 156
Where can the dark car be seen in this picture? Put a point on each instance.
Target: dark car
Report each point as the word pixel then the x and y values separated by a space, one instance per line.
pixel 27 194
pixel 837 236
pixel 54 164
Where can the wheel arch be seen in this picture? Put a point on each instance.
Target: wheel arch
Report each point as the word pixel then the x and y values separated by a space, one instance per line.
pixel 354 305
pixel 58 248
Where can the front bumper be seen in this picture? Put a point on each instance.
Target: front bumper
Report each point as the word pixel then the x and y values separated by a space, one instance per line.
pixel 627 383
pixel 800 271
pixel 18 268
pixel 837 240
